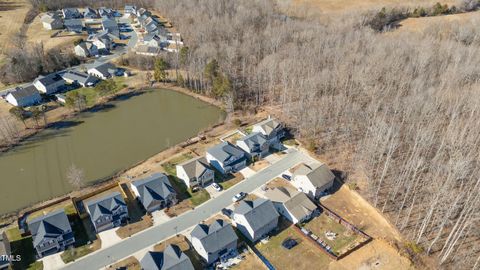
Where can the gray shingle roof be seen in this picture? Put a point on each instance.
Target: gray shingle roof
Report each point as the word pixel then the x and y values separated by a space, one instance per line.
pixel 111 26
pixel 225 151
pixel 90 12
pixel 255 139
pixel 23 92
pixel 105 205
pixel 268 125
pixel 49 79
pixel 195 167
pixel 214 237
pixel 106 69
pixel 319 174
pixel 80 77
pixel 74 25
pixel 296 202
pixel 155 187
pixel 258 213
pixel 51 225
pixel 172 258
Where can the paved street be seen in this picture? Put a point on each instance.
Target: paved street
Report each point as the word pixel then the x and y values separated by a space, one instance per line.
pixel 163 231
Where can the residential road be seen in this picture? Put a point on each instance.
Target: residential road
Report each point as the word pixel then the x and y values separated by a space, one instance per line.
pixel 160 232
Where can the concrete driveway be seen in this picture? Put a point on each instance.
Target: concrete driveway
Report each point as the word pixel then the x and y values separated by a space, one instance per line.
pixel 159 233
pixel 159 217
pixel 247 172
pixel 53 261
pixel 109 237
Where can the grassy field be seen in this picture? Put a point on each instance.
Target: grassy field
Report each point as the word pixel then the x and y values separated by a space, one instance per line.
pixel 12 15
pixel 344 240
pixel 37 34
pixel 302 256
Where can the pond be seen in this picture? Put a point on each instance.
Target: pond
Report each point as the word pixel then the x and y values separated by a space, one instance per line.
pixel 101 143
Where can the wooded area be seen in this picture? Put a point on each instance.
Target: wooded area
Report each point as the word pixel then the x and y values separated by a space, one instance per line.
pixel 404 105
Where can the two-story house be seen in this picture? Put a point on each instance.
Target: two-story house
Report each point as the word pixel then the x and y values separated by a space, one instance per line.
pixel 272 130
pixel 254 144
pixel 214 241
pixel 255 219
pixel 154 192
pixel 49 84
pixel 312 179
pixel 226 158
pixel 195 172
pixel 51 233
pixel 292 204
pixel 24 96
pixel 107 212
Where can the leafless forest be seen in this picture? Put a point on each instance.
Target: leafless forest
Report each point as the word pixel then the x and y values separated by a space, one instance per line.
pixel 406 106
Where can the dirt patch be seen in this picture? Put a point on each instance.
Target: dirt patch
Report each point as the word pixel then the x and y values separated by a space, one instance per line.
pixel 129 263
pixel 250 261
pixel 259 165
pixel 133 228
pixel 356 210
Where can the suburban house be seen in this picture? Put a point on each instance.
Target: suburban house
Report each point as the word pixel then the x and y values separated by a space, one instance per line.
pixel 143 12
pixel 71 13
pixel 106 12
pixel 74 25
pixel 103 71
pixel 111 26
pixel 107 212
pixel 154 192
pixel 4 250
pixel 226 158
pixel 130 9
pixel 24 96
pixel 254 144
pixel 79 78
pixel 102 40
pixel 196 172
pixel 90 13
pixel 313 180
pixel 51 233
pixel 51 21
pixel 153 40
pixel 147 50
pixel 86 49
pixel 255 219
pixel 214 241
pixel 172 258
pixel 271 129
pixel 49 84
pixel 292 204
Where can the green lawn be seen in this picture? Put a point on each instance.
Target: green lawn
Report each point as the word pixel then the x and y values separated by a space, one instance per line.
pixel 23 246
pixel 90 94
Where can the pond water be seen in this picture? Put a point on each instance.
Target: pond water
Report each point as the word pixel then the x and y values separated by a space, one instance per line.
pixel 101 143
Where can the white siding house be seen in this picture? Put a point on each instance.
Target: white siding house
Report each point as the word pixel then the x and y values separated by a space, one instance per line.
pixel 24 96
pixel 312 179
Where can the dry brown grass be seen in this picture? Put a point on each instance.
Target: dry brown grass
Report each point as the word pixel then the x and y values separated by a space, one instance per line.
pixel 315 7
pixel 133 228
pixel 258 165
pixel 37 34
pixel 250 261
pixel 129 263
pixel 12 15
pixel 419 25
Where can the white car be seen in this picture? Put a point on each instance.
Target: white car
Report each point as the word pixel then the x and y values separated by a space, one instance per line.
pixel 217 187
pixel 239 196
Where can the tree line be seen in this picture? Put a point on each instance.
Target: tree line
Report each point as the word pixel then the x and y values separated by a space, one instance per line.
pixel 401 105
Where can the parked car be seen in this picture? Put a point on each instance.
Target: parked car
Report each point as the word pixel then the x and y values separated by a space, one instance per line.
pixel 227 212
pixel 217 187
pixel 286 177
pixel 289 243
pixel 239 196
